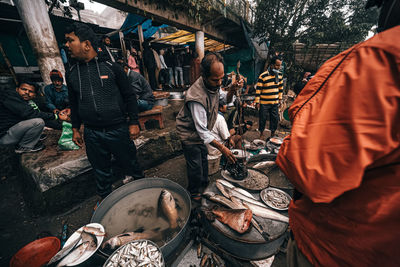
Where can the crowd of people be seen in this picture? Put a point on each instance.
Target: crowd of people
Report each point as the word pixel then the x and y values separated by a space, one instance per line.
pixel 342 155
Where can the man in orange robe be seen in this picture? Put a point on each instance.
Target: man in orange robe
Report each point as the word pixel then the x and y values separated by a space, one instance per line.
pixel 343 156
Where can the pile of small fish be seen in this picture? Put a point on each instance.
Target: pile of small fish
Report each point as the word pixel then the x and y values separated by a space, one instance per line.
pixel 276 199
pixel 138 253
pixel 75 250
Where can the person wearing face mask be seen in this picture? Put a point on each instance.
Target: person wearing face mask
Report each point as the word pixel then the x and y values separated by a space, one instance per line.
pixel 343 155
pixel 269 95
pixel 56 93
pixel 196 119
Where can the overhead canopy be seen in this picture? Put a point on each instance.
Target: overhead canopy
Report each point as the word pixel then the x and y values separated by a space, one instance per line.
pixel 149 27
pixel 184 37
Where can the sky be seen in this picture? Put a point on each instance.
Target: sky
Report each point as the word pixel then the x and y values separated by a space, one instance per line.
pixel 94 6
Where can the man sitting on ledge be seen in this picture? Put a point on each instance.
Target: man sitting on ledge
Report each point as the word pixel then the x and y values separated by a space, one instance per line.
pixel 20 122
pixel 143 91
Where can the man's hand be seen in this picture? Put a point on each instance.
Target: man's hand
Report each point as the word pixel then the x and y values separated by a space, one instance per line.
pixel 236 85
pixel 65 114
pixel 77 137
pixel 134 131
pixel 228 154
pixel 56 111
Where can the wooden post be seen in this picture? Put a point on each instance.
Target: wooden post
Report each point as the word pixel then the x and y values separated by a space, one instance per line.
pixel 123 46
pixel 141 40
pixel 40 32
pixel 199 37
pixel 8 63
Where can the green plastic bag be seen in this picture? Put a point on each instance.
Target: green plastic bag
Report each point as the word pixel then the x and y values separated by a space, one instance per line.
pixel 65 142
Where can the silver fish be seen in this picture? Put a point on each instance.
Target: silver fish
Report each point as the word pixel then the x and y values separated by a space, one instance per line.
pixel 125 238
pixel 93 230
pixel 232 192
pixel 261 211
pixel 65 250
pixel 222 200
pixel 168 207
pixel 231 186
pixel 74 255
pixel 88 237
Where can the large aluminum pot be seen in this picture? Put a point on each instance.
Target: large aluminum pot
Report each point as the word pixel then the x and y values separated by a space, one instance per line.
pixel 135 205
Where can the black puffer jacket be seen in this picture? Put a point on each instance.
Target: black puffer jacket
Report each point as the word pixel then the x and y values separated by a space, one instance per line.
pixel 100 94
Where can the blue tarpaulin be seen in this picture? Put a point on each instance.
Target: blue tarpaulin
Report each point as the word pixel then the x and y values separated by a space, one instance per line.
pixel 132 21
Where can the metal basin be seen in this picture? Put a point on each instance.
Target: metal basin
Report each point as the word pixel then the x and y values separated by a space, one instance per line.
pixel 135 205
pixel 250 245
pixel 176 95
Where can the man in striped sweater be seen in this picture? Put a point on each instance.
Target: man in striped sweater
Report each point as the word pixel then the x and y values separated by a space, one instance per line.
pixel 269 95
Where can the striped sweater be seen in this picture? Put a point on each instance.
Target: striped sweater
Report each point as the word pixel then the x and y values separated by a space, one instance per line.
pixel 268 91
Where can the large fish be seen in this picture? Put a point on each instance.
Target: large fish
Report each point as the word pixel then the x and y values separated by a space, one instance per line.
pixel 168 207
pixel 231 186
pixel 237 219
pixel 88 237
pixel 122 239
pixel 65 250
pixel 222 200
pixel 261 211
pixel 234 205
pixel 75 254
pixel 93 230
pixel 256 207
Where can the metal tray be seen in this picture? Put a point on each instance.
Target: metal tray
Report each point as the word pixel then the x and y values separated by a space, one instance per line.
pixel 275 198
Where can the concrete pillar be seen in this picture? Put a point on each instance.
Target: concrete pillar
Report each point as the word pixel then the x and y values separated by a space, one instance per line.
pixel 200 44
pixel 40 32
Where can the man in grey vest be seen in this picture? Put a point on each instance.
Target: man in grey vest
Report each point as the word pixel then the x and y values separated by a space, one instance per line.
pixel 196 119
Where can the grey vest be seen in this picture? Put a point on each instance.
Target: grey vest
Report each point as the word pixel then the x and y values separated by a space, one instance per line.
pixel 185 126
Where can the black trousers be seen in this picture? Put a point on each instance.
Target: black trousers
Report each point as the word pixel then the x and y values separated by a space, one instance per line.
pixel 197 166
pixel 152 78
pixel 100 145
pixel 272 110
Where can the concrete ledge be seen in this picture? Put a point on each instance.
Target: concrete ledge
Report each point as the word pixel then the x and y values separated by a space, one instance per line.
pixel 55 180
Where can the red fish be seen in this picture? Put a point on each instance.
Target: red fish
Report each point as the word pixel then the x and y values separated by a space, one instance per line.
pixel 237 219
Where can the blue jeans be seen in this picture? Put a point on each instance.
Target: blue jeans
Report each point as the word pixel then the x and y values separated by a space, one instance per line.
pixel 100 145
pixel 171 76
pixel 178 76
pixel 144 105
pixel 25 133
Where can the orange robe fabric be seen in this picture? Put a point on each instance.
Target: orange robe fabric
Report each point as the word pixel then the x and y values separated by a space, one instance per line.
pixel 343 154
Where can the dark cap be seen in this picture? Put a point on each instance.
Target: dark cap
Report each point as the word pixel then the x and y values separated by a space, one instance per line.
pixel 56 75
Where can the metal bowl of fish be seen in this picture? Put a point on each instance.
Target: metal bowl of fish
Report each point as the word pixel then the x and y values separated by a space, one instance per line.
pixel 154 209
pixel 275 198
pixel 137 253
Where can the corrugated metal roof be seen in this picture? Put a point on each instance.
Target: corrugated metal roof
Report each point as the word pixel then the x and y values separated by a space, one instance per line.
pixel 183 37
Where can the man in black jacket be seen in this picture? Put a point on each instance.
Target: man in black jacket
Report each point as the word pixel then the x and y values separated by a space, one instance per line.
pixel 21 123
pixel 100 97
pixel 144 94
